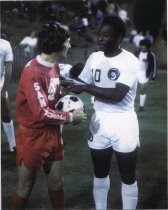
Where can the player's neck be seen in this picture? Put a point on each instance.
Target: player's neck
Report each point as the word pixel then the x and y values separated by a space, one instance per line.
pixel 113 53
pixel 52 58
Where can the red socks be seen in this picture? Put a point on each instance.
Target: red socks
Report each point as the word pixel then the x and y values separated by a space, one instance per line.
pixel 18 202
pixel 57 198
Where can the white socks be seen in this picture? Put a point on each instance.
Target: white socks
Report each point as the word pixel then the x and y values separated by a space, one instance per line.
pixel 142 100
pixel 101 187
pixel 100 191
pixel 129 195
pixel 9 131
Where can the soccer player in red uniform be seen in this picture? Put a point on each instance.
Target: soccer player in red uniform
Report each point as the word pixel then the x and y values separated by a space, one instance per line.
pixel 39 141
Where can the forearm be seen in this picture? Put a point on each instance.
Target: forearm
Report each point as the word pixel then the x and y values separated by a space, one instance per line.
pixel 110 94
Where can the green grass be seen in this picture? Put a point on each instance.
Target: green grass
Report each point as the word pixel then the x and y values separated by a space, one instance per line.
pixel 78 171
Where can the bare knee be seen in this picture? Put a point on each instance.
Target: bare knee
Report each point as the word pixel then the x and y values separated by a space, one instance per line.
pixel 26 181
pixel 55 180
pixel 55 183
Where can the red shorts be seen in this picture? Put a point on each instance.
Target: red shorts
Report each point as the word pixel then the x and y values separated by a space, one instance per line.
pixel 35 146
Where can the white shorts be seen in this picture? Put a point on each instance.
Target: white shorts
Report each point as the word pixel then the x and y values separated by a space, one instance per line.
pixel 142 79
pixel 117 130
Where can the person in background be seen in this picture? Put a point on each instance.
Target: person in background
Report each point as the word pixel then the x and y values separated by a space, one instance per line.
pixel 133 33
pixel 28 44
pixel 147 70
pixel 137 38
pixel 149 36
pixel 39 138
pixel 6 60
pixel 123 15
pixel 112 8
pixel 111 77
pixel 64 69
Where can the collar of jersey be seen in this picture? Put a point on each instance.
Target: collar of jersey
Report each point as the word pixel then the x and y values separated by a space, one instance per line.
pixel 43 62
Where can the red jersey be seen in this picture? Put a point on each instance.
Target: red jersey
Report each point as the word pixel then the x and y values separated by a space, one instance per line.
pixel 38 92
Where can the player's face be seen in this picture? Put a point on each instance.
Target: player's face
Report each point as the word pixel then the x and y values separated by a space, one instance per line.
pixel 143 48
pixel 107 41
pixel 66 48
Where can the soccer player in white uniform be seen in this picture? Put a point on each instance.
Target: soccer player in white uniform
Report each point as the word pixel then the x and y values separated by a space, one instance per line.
pixel 147 69
pixel 111 76
pixel 6 60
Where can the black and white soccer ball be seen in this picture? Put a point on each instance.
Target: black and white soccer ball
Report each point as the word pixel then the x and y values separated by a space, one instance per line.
pixel 69 103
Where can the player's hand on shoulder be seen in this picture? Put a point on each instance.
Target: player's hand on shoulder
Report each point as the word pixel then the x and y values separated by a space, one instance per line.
pixel 78 116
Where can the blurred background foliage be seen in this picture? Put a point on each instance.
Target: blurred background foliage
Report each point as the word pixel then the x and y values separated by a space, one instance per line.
pixel 19 18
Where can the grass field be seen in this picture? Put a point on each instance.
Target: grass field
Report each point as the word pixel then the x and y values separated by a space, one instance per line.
pixel 78 171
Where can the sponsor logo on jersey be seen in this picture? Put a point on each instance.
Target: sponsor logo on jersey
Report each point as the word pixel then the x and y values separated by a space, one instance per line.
pixel 53 115
pixel 113 74
pixel 40 96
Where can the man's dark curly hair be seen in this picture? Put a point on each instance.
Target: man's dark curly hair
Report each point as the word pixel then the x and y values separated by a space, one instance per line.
pixel 116 23
pixel 52 37
pixel 145 42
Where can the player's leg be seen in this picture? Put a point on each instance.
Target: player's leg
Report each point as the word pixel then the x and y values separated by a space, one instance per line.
pixel 54 172
pixel 129 189
pixel 101 161
pixel 26 180
pixel 7 123
pixel 143 96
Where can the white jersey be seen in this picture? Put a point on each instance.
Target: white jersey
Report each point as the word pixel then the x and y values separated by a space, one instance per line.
pixel 6 55
pixel 142 78
pixel 143 61
pixel 105 72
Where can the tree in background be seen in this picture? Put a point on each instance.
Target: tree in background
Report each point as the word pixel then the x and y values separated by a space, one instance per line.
pixel 148 15
pixel 152 15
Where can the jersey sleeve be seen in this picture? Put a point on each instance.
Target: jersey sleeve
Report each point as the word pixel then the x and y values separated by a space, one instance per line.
pixel 34 98
pixel 86 74
pixel 130 74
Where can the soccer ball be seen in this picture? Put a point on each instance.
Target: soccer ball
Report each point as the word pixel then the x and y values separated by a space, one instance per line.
pixel 69 103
